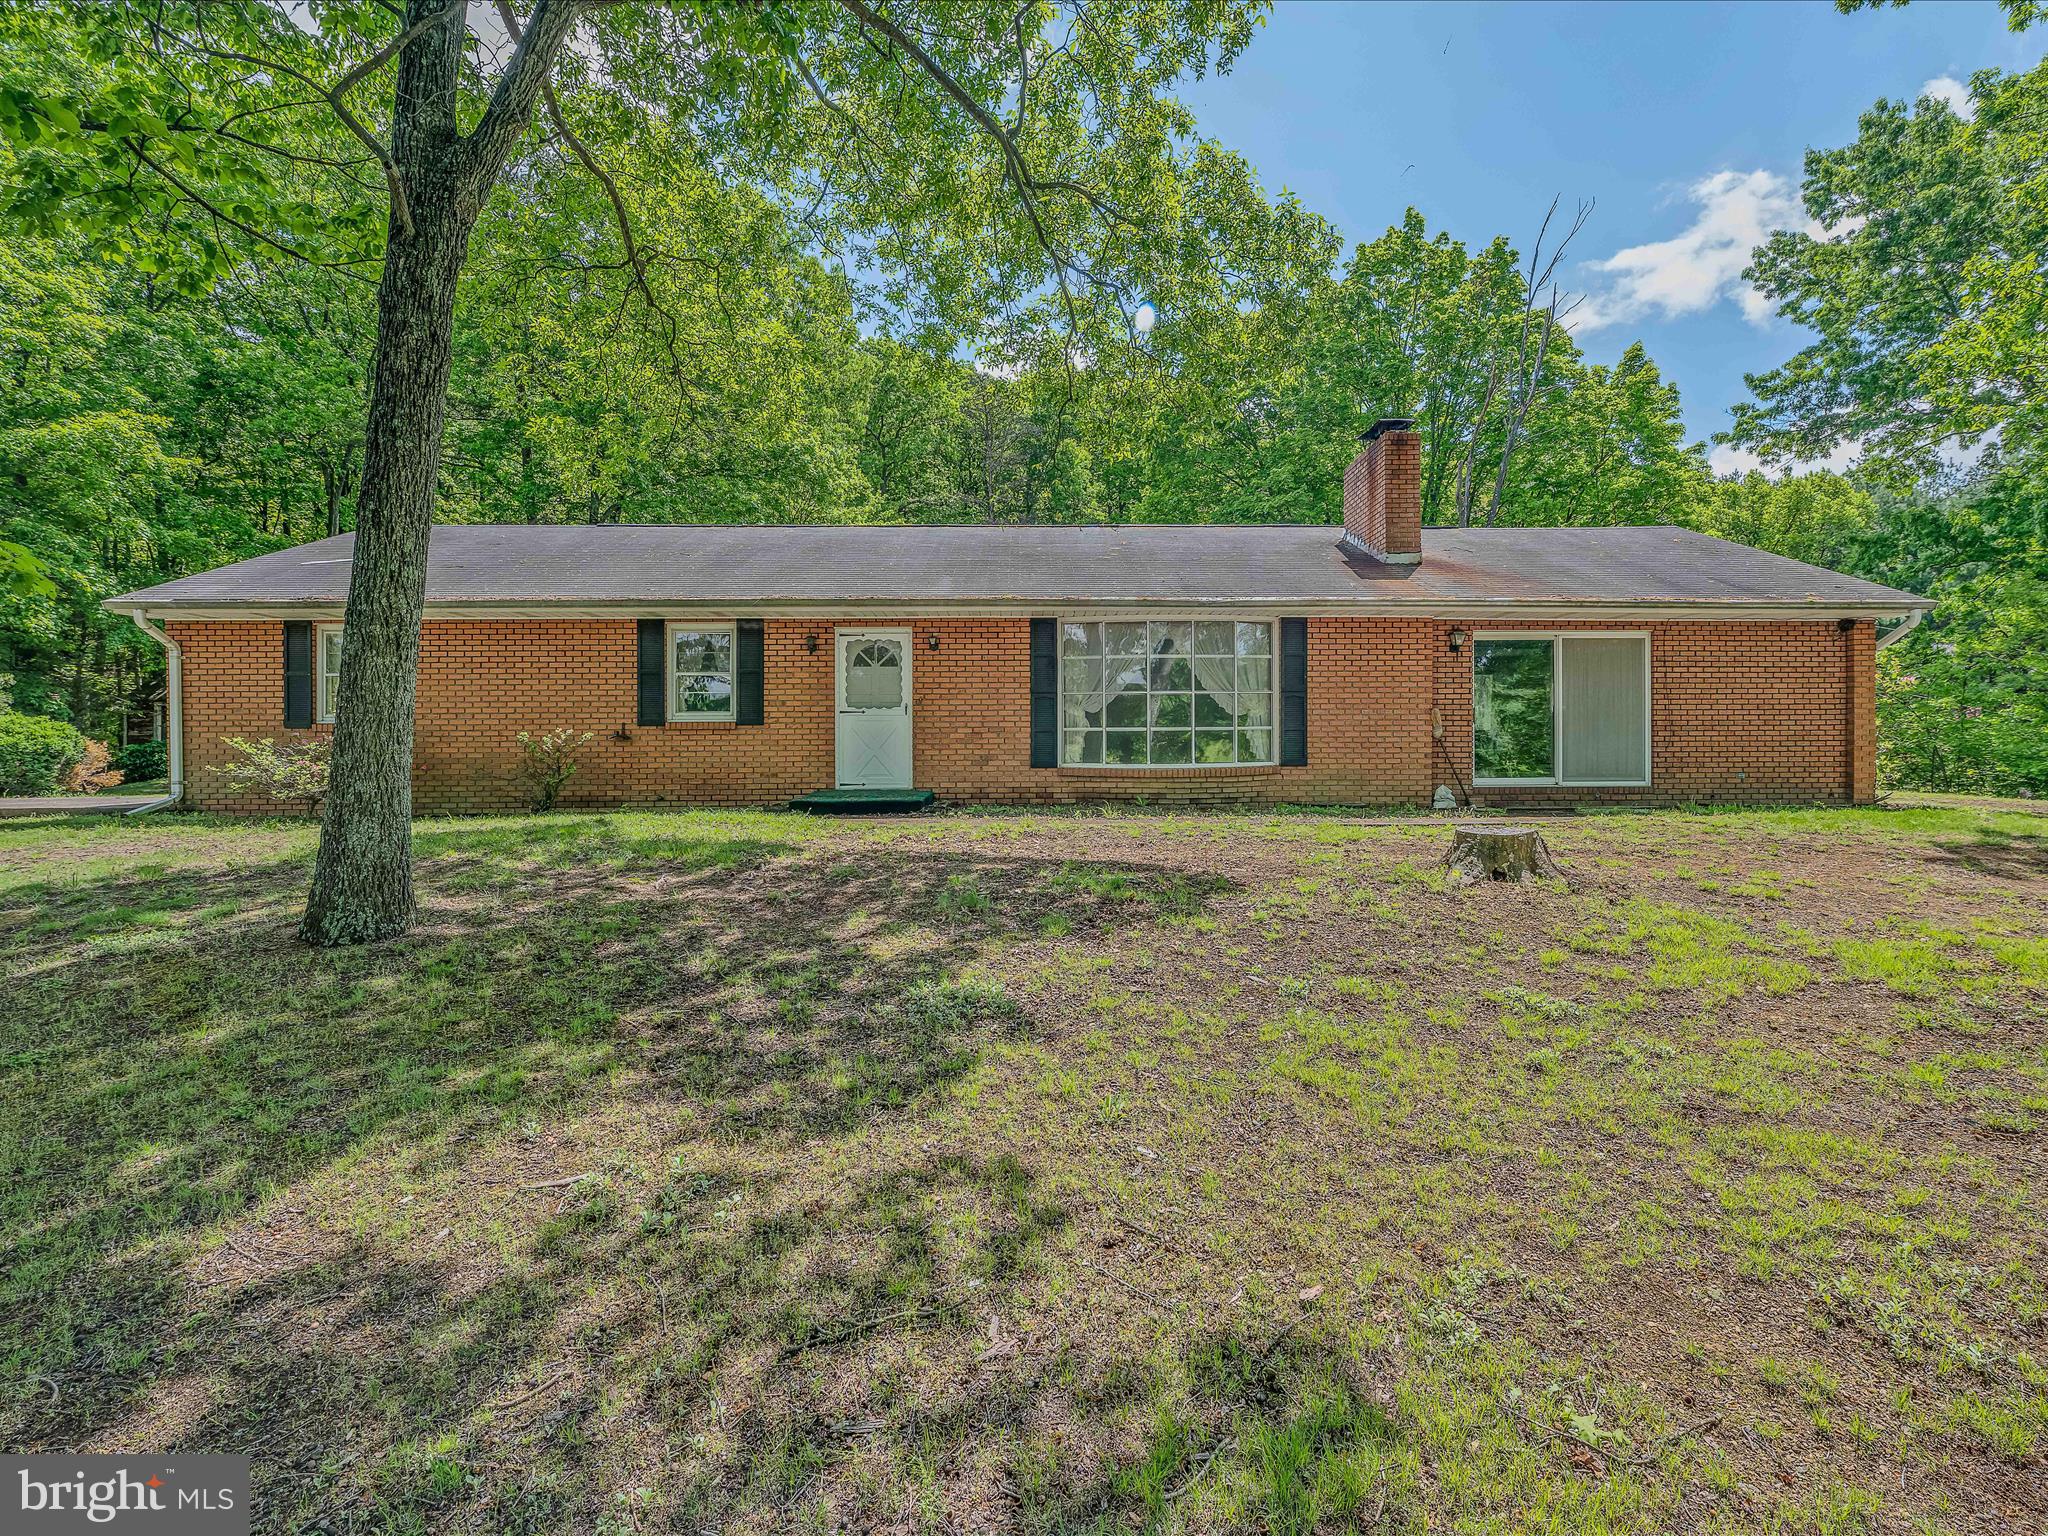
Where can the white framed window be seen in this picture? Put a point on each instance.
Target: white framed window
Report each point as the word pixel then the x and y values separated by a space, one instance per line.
pixel 1172 693
pixel 1561 708
pixel 700 662
pixel 326 671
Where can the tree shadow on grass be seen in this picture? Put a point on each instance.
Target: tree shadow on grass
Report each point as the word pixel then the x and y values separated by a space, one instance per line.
pixel 1996 854
pixel 1284 1434
pixel 178 1074
pixel 376 1395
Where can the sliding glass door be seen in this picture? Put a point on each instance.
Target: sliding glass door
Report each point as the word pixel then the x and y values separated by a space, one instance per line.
pixel 1561 709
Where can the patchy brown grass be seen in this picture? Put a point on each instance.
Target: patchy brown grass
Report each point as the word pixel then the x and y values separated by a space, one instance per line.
pixel 1050 1172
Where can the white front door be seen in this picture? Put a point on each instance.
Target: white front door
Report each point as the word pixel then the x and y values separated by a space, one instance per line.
pixel 874 709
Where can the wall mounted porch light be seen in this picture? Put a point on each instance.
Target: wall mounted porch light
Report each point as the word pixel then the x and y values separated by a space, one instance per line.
pixel 931 642
pixel 810 645
pixel 1458 639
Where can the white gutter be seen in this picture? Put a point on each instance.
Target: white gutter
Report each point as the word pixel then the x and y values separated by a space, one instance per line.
pixel 174 713
pixel 825 610
pixel 1912 623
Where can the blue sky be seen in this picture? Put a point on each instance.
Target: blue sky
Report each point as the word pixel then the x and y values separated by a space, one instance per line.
pixel 1685 123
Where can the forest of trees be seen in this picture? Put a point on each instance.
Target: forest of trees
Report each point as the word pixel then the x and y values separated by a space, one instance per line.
pixel 158 416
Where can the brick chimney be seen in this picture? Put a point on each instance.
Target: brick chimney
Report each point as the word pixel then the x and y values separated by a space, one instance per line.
pixel 1383 494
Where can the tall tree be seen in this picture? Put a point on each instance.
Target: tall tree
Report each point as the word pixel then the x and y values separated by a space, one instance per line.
pixel 1926 289
pixel 1820 518
pixel 1925 285
pixel 1607 446
pixel 971 152
pixel 912 406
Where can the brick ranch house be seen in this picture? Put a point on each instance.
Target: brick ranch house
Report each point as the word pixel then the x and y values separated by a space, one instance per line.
pixel 1263 664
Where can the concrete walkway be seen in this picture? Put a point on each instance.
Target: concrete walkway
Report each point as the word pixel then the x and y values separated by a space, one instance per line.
pixel 72 805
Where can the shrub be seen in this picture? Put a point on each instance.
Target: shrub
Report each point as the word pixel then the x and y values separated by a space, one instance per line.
pixel 141 760
pixel 295 771
pixel 1962 702
pixel 548 762
pixel 91 772
pixel 36 753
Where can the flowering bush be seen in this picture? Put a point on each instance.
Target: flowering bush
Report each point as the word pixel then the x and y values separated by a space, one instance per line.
pixel 547 762
pixel 295 771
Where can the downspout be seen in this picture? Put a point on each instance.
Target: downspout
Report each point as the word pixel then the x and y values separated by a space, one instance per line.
pixel 1900 631
pixel 174 715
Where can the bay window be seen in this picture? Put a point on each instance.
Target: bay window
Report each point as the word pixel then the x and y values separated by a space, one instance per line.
pixel 1561 709
pixel 1166 693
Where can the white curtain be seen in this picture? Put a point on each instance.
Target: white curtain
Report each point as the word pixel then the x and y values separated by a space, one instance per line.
pixel 1217 675
pixel 1605 709
pixel 1100 662
pixel 1084 687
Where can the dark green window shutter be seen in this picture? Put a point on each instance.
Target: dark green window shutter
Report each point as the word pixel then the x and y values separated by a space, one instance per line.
pixel 747 669
pixel 1045 694
pixel 1293 692
pixel 653 672
pixel 298 675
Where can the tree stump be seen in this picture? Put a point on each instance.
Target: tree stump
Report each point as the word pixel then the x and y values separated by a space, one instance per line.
pixel 1500 853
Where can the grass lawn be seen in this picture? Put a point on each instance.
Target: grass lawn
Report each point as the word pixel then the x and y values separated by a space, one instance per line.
pixel 752 1173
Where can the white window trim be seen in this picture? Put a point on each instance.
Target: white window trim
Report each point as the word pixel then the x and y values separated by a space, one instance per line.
pixel 1107 616
pixel 323 697
pixel 1557 708
pixel 731 629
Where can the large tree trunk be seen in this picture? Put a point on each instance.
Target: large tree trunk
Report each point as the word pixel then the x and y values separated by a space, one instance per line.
pixel 362 880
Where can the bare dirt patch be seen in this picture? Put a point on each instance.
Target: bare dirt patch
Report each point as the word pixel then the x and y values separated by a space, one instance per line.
pixel 1000 1171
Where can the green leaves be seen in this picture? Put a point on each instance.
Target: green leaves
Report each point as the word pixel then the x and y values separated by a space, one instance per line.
pixel 1963 699
pixel 21 574
pixel 1925 286
pixel 1965 705
pixel 167 141
pixel 1927 291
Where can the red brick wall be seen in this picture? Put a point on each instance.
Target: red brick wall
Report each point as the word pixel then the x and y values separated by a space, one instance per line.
pixel 1739 712
pixel 1743 712
pixel 233 685
pixel 1364 513
pixel 1860 658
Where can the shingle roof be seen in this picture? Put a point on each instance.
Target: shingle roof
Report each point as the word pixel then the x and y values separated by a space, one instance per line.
pixel 821 566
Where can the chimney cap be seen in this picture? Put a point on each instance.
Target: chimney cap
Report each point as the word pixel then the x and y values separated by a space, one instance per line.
pixel 1389 424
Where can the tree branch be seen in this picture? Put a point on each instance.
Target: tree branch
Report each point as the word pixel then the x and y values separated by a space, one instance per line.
pixel 250 230
pixel 1023 66
pixel 401 206
pixel 635 259
pixel 1528 375
pixel 518 91
pixel 589 162
pixel 1015 167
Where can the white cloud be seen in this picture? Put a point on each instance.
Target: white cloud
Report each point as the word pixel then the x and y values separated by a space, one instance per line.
pixel 1695 270
pixel 1947 88
pixel 1727 459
